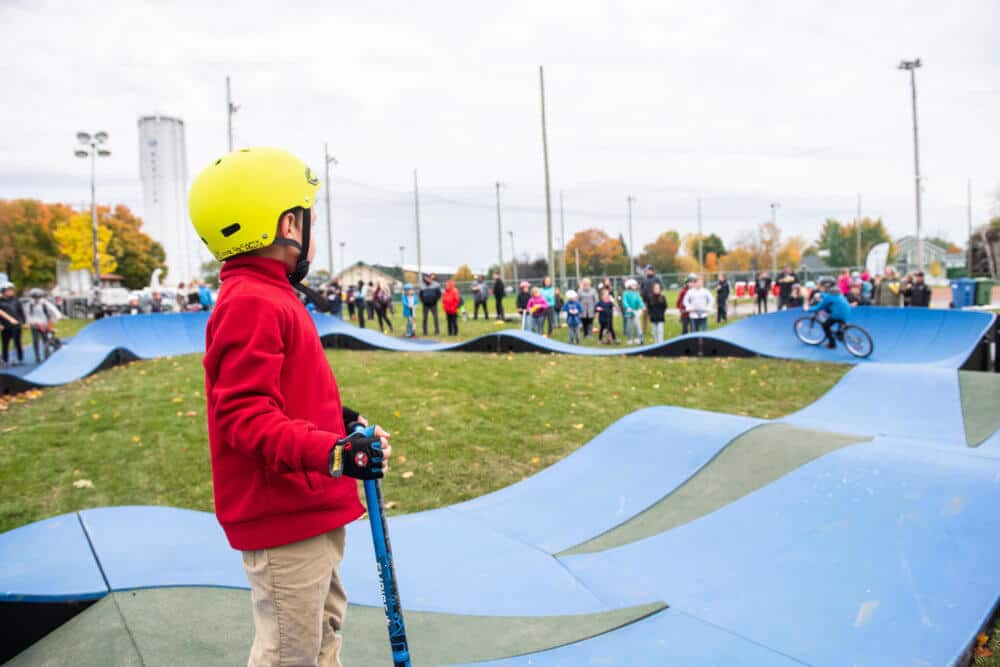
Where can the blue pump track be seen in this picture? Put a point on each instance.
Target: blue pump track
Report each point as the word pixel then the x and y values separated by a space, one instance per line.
pixel 881 551
pixel 946 338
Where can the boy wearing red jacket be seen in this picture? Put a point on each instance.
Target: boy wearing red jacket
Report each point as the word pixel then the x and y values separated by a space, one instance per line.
pixel 283 468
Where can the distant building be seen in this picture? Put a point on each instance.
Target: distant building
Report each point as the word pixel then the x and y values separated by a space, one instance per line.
pixel 906 253
pixel 814 265
pixel 164 175
pixel 393 276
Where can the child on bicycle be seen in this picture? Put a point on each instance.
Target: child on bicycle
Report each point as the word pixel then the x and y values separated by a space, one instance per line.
pixel 832 302
pixel 41 317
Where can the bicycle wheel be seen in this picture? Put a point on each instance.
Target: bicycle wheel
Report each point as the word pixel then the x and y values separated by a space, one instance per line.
pixel 809 331
pixel 857 341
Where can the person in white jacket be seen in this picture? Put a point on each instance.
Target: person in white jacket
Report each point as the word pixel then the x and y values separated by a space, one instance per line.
pixel 698 302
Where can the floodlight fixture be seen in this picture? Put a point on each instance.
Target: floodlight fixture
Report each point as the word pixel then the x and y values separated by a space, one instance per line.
pixel 79 152
pixel 103 152
pixel 101 137
pixel 83 137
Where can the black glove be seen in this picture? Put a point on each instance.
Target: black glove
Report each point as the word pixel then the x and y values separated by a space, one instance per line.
pixel 350 416
pixel 359 455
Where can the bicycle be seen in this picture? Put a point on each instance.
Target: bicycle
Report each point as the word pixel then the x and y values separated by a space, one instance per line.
pixel 856 340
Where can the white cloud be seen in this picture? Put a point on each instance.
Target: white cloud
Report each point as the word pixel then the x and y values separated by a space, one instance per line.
pixel 740 103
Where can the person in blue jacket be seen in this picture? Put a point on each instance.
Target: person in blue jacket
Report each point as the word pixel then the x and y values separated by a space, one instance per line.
pixel 410 310
pixel 204 296
pixel 832 302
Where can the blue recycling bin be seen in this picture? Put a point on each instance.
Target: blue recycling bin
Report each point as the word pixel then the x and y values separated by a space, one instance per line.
pixel 963 293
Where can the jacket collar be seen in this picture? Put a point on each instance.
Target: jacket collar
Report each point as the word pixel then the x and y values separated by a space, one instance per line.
pixel 266 268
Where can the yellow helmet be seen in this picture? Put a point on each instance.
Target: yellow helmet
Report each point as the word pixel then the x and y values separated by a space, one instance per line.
pixel 236 201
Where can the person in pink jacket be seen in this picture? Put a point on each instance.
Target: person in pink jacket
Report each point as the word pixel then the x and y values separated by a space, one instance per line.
pixel 538 308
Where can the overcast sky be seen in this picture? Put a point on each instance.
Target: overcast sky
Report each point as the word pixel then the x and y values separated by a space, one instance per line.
pixel 738 103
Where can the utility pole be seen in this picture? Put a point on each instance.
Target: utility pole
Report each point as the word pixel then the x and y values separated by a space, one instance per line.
pixel 968 219
pixel 513 256
pixel 328 159
pixel 701 248
pixel 576 251
pixel 416 211
pixel 631 248
pixel 499 233
pixel 774 242
pixel 911 66
pixel 342 244
pixel 230 110
pixel 562 238
pixel 545 154
pixel 402 256
pixel 857 230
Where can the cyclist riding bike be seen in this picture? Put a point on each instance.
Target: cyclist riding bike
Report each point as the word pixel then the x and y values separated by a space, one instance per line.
pixel 833 303
pixel 41 317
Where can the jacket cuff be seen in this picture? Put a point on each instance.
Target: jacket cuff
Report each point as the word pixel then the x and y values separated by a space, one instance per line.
pixel 318 454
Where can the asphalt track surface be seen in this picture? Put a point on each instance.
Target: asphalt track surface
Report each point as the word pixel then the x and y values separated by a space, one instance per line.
pixel 860 530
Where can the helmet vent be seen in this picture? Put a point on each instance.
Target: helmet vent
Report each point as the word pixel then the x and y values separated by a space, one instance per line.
pixel 231 229
pixel 218 162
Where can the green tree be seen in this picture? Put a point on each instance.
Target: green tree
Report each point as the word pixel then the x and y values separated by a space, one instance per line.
pixel 28 250
pixel 210 271
pixel 75 241
pixel 136 254
pixel 710 243
pixel 662 252
pixel 832 239
pixel 873 232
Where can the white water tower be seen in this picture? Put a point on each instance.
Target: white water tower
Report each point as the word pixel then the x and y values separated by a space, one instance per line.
pixel 163 170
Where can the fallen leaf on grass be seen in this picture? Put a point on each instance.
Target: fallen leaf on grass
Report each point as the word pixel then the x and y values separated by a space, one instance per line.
pixel 83 484
pixel 407 475
pixel 429 428
pixel 10 429
pixel 577 426
pixel 536 459
pixel 401 459
pixel 190 413
pixel 390 505
pixel 177 399
pixel 396 413
pixel 136 439
pixel 95 416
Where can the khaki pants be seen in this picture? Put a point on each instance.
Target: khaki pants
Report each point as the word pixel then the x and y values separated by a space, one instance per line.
pixel 298 602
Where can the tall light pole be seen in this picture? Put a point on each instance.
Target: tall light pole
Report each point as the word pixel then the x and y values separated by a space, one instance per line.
pixel 230 110
pixel 968 215
pixel 328 160
pixel 402 256
pixel 416 215
pixel 631 247
pixel 911 66
pixel 774 243
pixel 857 223
pixel 701 247
pixel 499 233
pixel 545 154
pixel 562 241
pixel 342 244
pixel 513 256
pixel 93 147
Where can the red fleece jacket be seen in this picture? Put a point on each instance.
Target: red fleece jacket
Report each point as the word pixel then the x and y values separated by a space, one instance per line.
pixel 274 412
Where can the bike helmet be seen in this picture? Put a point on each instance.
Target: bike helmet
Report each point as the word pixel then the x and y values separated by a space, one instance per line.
pixel 36 293
pixel 826 282
pixel 407 286
pixel 235 202
pixel 810 285
pixel 7 285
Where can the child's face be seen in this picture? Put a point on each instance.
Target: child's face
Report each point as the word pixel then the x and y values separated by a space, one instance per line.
pixel 699 283
pixel 657 289
pixel 604 294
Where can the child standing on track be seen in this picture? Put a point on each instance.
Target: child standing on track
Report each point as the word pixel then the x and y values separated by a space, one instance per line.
pixel 632 308
pixel 410 310
pixel 606 317
pixel 573 311
pixel 538 309
pixel 698 302
pixel 282 467
pixel 657 311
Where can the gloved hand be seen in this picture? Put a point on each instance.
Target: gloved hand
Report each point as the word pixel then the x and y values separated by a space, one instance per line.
pixel 359 455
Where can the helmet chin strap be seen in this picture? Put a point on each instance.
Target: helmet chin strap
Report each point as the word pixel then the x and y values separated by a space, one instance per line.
pixel 302 265
pixel 301 269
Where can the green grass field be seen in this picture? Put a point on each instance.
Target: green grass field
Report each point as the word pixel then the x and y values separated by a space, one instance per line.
pixel 463 424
